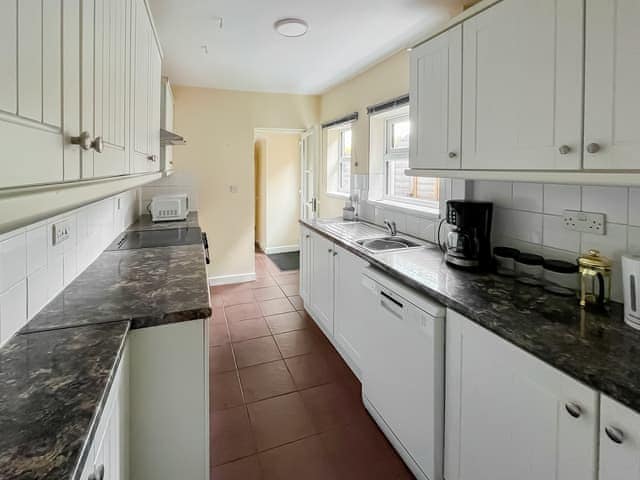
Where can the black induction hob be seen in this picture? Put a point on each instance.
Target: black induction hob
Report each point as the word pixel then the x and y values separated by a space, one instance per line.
pixel 157 238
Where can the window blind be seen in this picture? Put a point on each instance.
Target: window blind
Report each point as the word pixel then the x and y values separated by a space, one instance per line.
pixel 339 121
pixel 388 105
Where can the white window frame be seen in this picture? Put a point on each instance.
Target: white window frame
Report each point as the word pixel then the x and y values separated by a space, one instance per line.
pixel 342 159
pixel 392 154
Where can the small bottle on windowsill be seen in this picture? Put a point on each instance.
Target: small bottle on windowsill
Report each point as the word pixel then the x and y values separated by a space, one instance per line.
pixel 348 212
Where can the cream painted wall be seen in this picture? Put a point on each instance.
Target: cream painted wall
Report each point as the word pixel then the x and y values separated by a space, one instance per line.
pixel 381 82
pixel 219 127
pixel 279 207
pixel 260 168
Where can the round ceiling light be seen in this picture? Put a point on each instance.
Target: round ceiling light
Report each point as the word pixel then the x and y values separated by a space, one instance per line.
pixel 291 27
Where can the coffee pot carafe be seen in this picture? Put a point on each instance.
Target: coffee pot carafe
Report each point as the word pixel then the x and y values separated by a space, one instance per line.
pixel 595 278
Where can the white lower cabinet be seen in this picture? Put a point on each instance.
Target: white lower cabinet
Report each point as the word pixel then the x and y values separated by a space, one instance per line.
pixel 108 457
pixel 619 441
pixel 511 416
pixel 332 292
pixel 169 402
pixel 321 282
pixel 349 300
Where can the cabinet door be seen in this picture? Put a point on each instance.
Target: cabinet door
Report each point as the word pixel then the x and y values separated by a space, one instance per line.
pixel 612 99
pixel 140 89
pixel 36 55
pixel 522 86
pixel 155 87
pixel 508 415
pixel 619 441
pixel 350 295
pixel 146 93
pixel 436 102
pixel 321 282
pixel 306 254
pixel 105 86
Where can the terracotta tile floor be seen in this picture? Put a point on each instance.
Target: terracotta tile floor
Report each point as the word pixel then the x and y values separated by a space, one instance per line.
pixel 284 405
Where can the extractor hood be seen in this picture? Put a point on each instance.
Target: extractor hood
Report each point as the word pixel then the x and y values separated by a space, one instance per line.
pixel 170 138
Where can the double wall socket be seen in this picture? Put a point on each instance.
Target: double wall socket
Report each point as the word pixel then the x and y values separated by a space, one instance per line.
pixel 584 221
pixel 61 231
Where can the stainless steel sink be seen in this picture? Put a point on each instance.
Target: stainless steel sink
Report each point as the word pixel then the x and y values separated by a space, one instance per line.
pixel 385 244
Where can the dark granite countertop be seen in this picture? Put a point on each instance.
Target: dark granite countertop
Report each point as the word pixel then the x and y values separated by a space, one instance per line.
pixel 53 387
pixel 55 374
pixel 145 223
pixel 594 347
pixel 148 286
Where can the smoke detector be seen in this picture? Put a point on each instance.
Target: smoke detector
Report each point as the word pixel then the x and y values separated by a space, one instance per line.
pixel 291 27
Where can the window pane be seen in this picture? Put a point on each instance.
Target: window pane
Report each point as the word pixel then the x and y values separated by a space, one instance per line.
pixel 400 135
pixel 346 143
pixel 345 176
pixel 401 186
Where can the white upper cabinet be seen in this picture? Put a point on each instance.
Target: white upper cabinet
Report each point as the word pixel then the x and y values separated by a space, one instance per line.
pixel 105 86
pixel 612 97
pixel 619 441
pixel 436 102
pixel 146 93
pixel 522 86
pixel 511 416
pixel 38 63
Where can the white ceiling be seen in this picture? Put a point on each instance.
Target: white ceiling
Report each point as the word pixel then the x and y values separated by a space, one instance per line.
pixel 345 36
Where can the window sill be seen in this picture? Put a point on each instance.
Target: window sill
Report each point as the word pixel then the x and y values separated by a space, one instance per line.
pixel 418 211
pixel 341 196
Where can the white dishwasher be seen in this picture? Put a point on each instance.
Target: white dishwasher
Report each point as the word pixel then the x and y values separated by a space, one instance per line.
pixel 403 371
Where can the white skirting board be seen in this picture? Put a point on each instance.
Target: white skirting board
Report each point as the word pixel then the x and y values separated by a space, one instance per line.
pixel 282 249
pixel 228 279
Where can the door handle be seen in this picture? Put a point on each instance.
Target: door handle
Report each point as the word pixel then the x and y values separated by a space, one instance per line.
pixel 391 305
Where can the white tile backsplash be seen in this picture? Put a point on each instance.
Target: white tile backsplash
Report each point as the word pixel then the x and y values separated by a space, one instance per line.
pixel 634 206
pixel 13 260
pixel 558 198
pixel 33 270
pixel 556 236
pixel 612 201
pixel 13 310
pixel 517 224
pixel 500 193
pixel 527 196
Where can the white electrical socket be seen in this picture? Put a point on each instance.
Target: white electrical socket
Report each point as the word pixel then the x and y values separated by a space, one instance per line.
pixel 61 231
pixel 584 221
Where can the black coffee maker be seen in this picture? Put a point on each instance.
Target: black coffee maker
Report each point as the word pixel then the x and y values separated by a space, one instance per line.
pixel 469 240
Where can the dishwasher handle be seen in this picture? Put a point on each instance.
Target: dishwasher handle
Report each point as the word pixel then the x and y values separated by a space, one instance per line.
pixel 392 305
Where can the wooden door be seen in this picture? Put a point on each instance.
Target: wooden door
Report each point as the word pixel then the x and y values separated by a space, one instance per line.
pixel 436 102
pixel 612 76
pixel 509 415
pixel 39 91
pixel 522 86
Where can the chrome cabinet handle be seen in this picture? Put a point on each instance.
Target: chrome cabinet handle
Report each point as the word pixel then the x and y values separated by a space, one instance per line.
pixel 97 144
pixel 593 148
pixel 614 434
pixel 453 154
pixel 153 158
pixel 83 141
pixel 307 236
pixel 330 250
pixel 100 472
pixel 335 253
pixel 573 409
pixel 92 476
pixel 564 149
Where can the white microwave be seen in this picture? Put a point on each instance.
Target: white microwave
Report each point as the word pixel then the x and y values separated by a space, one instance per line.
pixel 165 208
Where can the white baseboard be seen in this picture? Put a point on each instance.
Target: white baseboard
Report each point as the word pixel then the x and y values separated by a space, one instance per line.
pixel 282 249
pixel 228 279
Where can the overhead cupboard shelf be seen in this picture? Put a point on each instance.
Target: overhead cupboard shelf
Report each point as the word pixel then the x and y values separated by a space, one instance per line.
pixel 531 91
